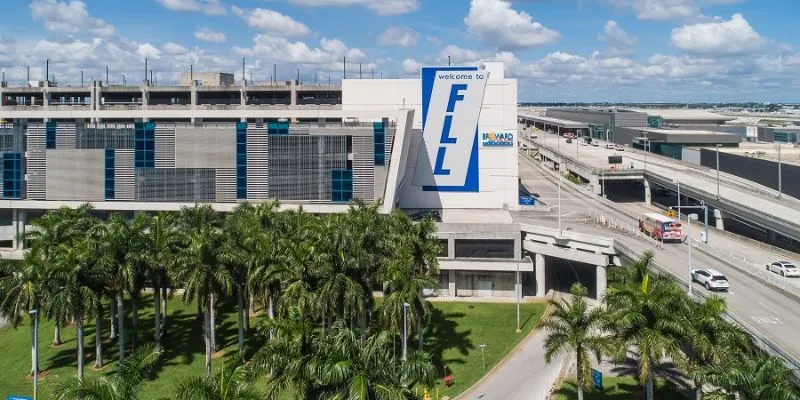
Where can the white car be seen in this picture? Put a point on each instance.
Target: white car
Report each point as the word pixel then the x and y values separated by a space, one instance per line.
pixel 710 278
pixel 784 268
pixel 595 143
pixel 610 146
pixel 619 148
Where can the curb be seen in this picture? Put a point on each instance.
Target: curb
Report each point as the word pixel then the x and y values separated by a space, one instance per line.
pixel 536 328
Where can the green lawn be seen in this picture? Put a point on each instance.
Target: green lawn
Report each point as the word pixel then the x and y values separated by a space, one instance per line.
pixel 620 388
pixel 458 329
pixel 453 338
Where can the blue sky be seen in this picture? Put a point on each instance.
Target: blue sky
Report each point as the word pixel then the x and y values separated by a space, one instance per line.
pixel 559 50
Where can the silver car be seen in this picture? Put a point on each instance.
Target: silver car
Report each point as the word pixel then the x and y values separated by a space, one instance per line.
pixel 784 268
pixel 710 278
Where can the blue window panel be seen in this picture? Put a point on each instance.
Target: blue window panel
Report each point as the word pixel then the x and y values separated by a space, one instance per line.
pixel 341 185
pixel 377 125
pixel 109 181
pixel 380 159
pixel 379 136
pixel 12 175
pixel 241 160
pixel 50 135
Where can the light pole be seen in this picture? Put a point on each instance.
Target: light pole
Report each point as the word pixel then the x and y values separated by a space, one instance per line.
pixel 679 197
pixel 483 355
pixel 780 188
pixel 718 145
pixel 35 344
pixel 405 330
pixel 690 218
pixel 518 289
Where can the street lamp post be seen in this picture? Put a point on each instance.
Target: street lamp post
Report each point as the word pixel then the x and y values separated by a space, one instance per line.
pixel 483 355
pixel 405 330
pixel 718 145
pixel 35 344
pixel 518 289
pixel 678 183
pixel 690 218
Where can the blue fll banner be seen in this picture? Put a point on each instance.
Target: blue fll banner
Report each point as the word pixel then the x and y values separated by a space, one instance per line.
pixel 452 98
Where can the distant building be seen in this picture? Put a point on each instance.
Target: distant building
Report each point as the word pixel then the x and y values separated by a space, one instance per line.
pixel 607 120
pixel 206 79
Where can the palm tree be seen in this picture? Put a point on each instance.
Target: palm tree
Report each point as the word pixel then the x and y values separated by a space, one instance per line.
pixel 575 327
pixel 238 257
pixel 71 281
pixel 124 385
pixel 21 291
pixel 117 259
pixel 160 244
pixel 232 382
pixel 648 316
pixel 200 269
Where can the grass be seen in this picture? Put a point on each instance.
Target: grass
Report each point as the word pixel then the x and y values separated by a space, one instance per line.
pixel 457 330
pixel 452 339
pixel 620 388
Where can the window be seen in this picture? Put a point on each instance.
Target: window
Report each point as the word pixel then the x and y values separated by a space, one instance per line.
pixel 278 128
pixel 109 177
pixel 241 160
pixel 445 249
pixel 144 144
pixel 12 175
pixel 50 135
pixel 379 134
pixel 485 248
pixel 341 185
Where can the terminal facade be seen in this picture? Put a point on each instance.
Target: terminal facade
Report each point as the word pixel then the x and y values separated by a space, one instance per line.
pixel 445 141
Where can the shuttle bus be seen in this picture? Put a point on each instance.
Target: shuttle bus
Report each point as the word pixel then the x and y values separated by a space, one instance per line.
pixel 661 227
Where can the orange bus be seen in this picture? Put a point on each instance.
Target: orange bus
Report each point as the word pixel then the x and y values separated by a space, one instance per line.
pixel 661 227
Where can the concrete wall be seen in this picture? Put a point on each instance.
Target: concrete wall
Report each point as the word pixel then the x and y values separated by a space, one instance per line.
pixel 691 155
pixel 76 174
pixel 764 172
pixel 205 148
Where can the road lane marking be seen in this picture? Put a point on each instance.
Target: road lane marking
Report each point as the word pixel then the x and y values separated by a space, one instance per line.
pixel 767 320
pixel 771 310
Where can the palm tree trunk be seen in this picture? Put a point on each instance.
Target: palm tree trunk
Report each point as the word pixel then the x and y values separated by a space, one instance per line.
pixel 271 309
pixel 113 334
pixel 213 326
pixel 207 339
pixel 247 312
pixel 79 340
pixel 98 338
pixel 580 374
pixel 134 319
pixel 649 387
pixel 200 312
pixel 57 335
pixel 164 301
pixel 421 333
pixel 157 310
pixel 698 390
pixel 121 323
pixel 241 321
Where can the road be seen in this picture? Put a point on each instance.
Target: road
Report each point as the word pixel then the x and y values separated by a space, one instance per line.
pixel 730 189
pixel 772 313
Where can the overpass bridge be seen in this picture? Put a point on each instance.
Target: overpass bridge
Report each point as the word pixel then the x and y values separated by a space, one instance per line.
pixel 734 198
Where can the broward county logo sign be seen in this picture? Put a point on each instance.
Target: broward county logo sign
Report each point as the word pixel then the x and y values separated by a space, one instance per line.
pixel 452 98
pixel 497 139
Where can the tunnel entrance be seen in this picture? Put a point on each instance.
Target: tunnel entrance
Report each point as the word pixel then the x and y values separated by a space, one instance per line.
pixel 624 191
pixel 561 274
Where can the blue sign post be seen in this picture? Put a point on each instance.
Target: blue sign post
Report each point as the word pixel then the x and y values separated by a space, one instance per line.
pixel 527 200
pixel 597 379
pixel 15 397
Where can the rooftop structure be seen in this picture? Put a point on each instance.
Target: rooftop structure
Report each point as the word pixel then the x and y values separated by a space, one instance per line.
pixel 678 117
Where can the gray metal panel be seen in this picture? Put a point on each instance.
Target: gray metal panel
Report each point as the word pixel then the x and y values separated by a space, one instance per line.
pixel 257 163
pixel 175 184
pixel 574 115
pixel 205 147
pixel 75 174
pixel 65 135
pixel 36 136
pixel 226 185
pixel 300 166
pixel 630 118
pixel 165 146
pixel 124 175
pixel 363 168
pixel 626 135
pixel 35 163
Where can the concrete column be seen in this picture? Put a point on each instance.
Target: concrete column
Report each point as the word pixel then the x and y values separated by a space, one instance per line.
pixel 18 221
pixel 540 278
pixel 451 246
pixel 145 94
pixel 451 283
pixel 14 241
pixel 601 281
pixel 597 185
pixel 718 217
pixel 293 93
pixel 648 196
pixel 616 261
pixel 243 102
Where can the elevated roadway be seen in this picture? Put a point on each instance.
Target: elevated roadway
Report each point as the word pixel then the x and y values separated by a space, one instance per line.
pixel 762 307
pixel 740 199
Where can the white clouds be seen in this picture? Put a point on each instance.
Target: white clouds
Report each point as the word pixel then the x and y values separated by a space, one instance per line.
pixel 148 50
pixel 174 49
pixel 330 52
pixel 497 24
pixel 721 38
pixel 69 17
pixel 619 41
pixel 272 22
pixel 398 36
pixel 411 66
pixel 380 7
pixel 208 35
pixel 209 7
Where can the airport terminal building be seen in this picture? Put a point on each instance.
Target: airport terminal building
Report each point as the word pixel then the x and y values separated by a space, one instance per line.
pixel 445 141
